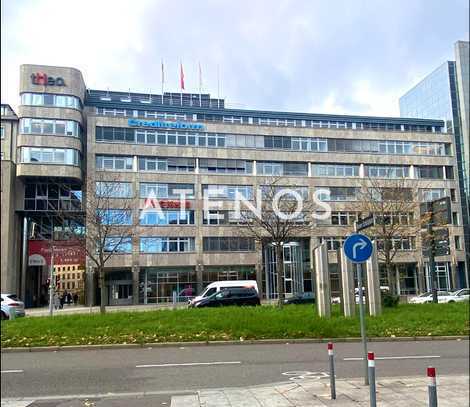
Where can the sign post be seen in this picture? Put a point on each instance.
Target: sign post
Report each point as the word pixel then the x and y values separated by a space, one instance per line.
pixel 358 248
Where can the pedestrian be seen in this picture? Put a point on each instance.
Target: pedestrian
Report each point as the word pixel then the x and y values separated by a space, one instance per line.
pixel 69 298
pixel 62 299
pixel 56 301
pixel 75 299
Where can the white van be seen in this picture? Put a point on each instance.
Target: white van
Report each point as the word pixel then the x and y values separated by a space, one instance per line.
pixel 221 285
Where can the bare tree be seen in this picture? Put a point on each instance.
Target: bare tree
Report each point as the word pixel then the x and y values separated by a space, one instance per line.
pixel 394 203
pixel 279 220
pixel 108 224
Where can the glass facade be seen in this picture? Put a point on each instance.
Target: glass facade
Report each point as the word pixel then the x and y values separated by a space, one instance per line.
pixel 437 97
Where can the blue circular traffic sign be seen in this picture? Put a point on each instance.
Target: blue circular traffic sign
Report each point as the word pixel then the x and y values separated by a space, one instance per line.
pixel 357 248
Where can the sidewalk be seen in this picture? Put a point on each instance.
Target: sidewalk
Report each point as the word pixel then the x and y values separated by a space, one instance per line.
pixel 391 392
pixel 411 392
pixel 81 309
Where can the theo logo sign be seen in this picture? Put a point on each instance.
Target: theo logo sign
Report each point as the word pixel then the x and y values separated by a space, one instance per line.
pixel 40 78
pixel 168 125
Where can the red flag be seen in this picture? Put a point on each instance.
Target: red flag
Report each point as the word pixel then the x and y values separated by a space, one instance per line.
pixel 181 77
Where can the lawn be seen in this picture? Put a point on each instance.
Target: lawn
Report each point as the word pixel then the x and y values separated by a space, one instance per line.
pixel 293 321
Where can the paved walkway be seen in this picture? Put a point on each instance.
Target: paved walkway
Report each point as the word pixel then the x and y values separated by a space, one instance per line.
pixel 80 309
pixel 453 391
pixel 411 392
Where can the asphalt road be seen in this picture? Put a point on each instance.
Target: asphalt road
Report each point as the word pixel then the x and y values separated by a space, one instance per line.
pixel 175 369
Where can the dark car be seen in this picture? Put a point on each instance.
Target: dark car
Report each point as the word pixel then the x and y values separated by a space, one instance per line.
pixel 230 296
pixel 300 298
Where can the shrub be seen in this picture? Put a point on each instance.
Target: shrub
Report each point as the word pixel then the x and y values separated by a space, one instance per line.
pixel 390 300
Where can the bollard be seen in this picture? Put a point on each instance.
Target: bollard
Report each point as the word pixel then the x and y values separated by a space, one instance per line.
pixel 371 368
pixel 432 387
pixel 331 356
pixel 174 299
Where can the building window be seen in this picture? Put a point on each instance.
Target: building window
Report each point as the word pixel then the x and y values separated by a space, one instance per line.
pixel 387 171
pixel 338 194
pixel 223 217
pixel 453 195
pixel 335 170
pixel 50 126
pixel 166 244
pixel 158 218
pixel 115 134
pixel 118 244
pixel 343 218
pixel 48 99
pixel 43 155
pixel 2 132
pixel 332 242
pixel 167 164
pixel 400 244
pixel 455 218
pixel 430 172
pixel 171 191
pixel 213 165
pixel 115 216
pixel 281 168
pixel 50 197
pixel 458 242
pixel 111 162
pixel 228 244
pixel 106 189
pixel 227 191
pixel 431 194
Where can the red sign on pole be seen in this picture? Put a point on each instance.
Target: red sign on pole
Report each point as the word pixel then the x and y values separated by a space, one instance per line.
pixel 66 252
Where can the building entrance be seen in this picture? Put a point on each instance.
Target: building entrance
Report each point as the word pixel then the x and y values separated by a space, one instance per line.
pixel 293 269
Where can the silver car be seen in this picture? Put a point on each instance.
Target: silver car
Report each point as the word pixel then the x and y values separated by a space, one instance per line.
pixel 14 304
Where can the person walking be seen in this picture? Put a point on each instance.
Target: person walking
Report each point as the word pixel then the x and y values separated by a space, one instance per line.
pixel 56 301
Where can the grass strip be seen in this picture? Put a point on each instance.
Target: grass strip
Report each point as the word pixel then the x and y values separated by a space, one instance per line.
pixel 231 323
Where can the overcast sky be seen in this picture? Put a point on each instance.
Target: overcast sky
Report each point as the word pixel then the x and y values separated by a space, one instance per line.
pixel 325 56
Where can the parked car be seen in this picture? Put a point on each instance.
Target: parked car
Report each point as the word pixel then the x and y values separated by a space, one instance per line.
pixel 383 289
pixel 218 286
pixel 442 297
pixel 459 295
pixel 5 313
pixel 301 298
pixel 229 296
pixel 14 304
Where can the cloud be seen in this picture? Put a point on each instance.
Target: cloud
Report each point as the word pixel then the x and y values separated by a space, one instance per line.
pixel 304 55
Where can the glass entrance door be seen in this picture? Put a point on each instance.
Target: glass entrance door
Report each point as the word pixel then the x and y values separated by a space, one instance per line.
pixel 293 269
pixel 120 292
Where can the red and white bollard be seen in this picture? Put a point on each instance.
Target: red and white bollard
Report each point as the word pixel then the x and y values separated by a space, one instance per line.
pixel 331 357
pixel 432 387
pixel 371 374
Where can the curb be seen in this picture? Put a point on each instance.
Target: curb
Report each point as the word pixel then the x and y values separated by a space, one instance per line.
pixel 225 343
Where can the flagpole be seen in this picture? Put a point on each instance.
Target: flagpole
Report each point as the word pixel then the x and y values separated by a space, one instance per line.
pixel 200 85
pixel 218 87
pixel 181 81
pixel 163 79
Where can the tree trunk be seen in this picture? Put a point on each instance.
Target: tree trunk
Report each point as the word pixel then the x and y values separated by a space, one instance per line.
pixel 102 291
pixel 280 274
pixel 391 277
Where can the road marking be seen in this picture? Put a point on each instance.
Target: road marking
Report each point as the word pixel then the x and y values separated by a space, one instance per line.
pixel 302 375
pixel 397 357
pixel 12 371
pixel 192 364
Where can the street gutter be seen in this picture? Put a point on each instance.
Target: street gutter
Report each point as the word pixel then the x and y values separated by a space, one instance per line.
pixel 225 343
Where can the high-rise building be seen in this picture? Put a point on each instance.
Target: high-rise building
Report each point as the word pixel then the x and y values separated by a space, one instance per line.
pixel 158 145
pixel 444 94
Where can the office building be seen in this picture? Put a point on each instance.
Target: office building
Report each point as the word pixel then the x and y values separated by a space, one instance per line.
pixel 444 94
pixel 155 145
